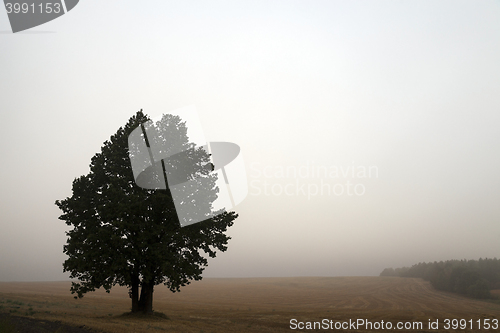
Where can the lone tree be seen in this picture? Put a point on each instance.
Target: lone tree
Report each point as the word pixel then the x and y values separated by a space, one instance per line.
pixel 130 236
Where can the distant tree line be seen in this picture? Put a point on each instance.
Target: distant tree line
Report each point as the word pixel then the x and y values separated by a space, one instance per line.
pixel 473 278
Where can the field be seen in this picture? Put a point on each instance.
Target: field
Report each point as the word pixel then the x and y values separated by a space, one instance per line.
pixel 252 305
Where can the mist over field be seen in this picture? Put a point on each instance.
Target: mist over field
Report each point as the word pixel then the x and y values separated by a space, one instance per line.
pixel 264 304
pixel 369 129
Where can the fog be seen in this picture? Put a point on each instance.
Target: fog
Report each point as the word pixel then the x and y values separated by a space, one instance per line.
pixel 369 129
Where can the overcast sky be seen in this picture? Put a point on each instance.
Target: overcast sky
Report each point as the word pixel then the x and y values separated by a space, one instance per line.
pixel 405 93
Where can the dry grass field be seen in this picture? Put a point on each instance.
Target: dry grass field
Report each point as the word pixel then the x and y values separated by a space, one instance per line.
pixel 250 304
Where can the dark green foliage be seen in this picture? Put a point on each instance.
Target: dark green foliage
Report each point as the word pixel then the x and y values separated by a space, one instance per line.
pixel 388 272
pixel 394 272
pixel 123 234
pixel 473 278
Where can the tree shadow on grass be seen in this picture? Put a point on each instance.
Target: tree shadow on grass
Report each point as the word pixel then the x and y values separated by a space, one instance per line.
pixel 157 316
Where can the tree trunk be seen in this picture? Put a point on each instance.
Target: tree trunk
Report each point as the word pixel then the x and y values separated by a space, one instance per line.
pixel 146 300
pixel 134 294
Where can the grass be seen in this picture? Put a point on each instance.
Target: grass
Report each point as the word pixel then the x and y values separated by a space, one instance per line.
pixel 145 316
pixel 245 305
pixel 6 327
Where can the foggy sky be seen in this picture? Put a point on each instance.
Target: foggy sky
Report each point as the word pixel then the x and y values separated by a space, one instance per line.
pixel 410 89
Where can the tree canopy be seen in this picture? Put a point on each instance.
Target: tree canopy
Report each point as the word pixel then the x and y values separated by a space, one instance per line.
pixel 130 236
pixel 473 278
